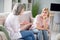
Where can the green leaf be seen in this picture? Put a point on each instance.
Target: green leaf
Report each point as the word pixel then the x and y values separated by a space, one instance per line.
pixel 35 9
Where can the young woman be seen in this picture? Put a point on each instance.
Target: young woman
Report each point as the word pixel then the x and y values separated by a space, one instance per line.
pixel 41 24
pixel 13 25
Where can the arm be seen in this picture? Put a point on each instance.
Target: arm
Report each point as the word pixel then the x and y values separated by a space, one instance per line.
pixel 39 27
pixel 38 23
pixel 46 24
pixel 27 26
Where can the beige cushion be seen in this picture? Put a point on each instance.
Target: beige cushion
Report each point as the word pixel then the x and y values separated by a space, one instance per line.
pixel 58 36
pixel 3 17
pixel 2 36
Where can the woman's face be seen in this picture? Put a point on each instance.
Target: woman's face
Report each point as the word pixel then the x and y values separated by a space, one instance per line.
pixel 45 13
pixel 22 11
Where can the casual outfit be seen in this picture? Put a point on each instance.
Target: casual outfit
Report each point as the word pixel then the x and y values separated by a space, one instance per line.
pixel 42 34
pixel 12 25
pixel 27 35
pixel 26 16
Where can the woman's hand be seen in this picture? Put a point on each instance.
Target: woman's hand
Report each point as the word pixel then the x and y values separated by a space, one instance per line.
pixel 46 27
pixel 39 27
pixel 27 26
pixel 24 23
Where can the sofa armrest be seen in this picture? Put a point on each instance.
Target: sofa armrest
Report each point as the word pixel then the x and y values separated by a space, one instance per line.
pixel 2 36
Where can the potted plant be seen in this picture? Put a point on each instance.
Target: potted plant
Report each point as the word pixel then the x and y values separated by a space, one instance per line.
pixel 35 8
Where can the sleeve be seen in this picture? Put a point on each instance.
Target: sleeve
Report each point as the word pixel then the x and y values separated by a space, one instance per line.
pixel 16 25
pixel 37 19
pixel 34 23
pixel 8 26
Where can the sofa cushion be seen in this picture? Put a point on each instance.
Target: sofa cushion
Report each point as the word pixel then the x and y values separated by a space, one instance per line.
pixel 6 33
pixel 2 36
pixel 2 19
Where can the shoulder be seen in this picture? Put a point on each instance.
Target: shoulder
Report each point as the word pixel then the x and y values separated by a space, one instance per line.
pixel 10 17
pixel 38 16
pixel 27 13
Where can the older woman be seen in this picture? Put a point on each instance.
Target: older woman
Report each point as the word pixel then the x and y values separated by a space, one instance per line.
pixel 41 24
pixel 13 25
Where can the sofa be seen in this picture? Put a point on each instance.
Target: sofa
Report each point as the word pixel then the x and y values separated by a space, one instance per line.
pixel 2 36
pixel 3 33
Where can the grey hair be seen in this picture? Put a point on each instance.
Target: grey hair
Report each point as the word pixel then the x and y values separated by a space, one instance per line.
pixel 18 8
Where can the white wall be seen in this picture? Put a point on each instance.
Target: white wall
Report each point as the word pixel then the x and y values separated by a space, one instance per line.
pixel 45 3
pixel 1 6
pixel 7 5
pixel 24 1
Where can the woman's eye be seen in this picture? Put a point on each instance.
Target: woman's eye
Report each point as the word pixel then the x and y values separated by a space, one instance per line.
pixel 44 11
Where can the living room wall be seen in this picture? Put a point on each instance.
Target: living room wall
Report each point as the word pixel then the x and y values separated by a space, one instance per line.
pixel 45 3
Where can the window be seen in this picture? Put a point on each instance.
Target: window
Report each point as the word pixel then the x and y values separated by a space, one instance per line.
pixel 1 6
pixel 29 1
pixel 19 1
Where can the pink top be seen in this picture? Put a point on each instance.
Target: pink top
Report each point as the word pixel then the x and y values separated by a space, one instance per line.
pixel 39 20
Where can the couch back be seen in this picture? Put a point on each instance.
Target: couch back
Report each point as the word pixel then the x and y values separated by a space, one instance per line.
pixel 3 17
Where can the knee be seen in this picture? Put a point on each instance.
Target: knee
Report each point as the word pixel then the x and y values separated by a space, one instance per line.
pixel 45 31
pixel 40 31
pixel 31 33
